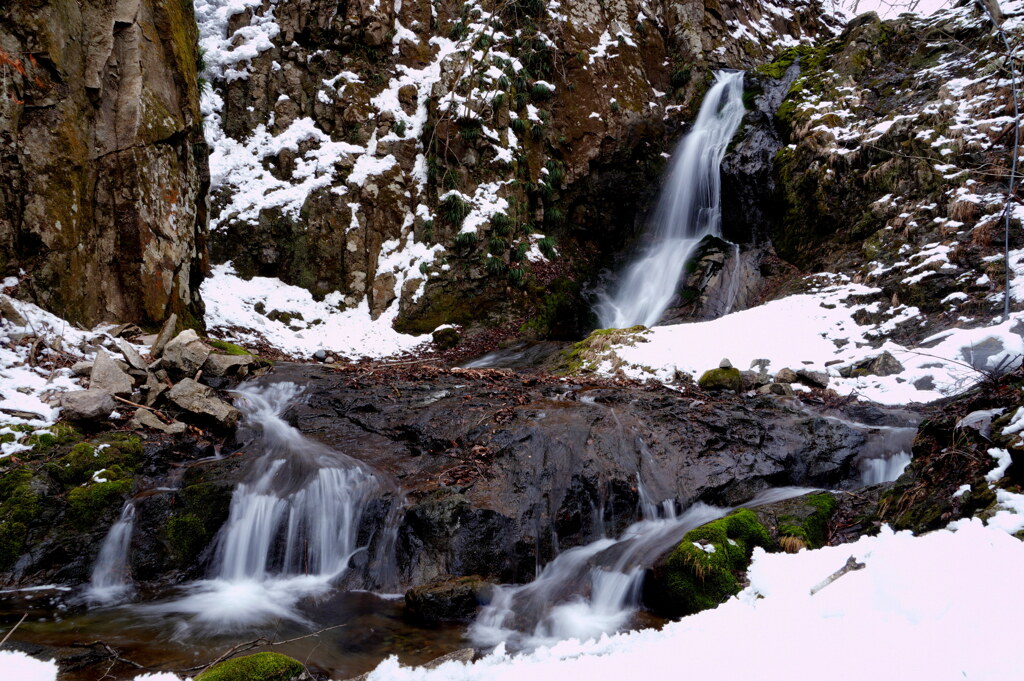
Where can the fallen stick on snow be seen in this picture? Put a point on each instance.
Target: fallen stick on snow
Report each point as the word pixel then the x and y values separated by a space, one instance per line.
pixel 851 565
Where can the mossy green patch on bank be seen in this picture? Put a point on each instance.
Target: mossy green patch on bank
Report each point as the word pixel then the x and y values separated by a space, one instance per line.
pixel 19 506
pixel 90 502
pixel 812 529
pixel 203 508
pixel 258 667
pixel 703 570
pixel 227 348
pixel 585 356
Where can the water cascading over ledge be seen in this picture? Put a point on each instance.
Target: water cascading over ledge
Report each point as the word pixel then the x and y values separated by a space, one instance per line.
pixel 689 209
pixel 292 528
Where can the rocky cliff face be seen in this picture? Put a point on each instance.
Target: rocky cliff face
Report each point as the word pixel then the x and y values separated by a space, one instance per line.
pixel 103 171
pixel 426 154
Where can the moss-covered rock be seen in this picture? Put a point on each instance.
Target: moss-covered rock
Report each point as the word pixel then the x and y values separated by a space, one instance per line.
pixel 90 502
pixel 802 522
pixel 721 379
pixel 258 667
pixel 585 356
pixel 703 570
pixel 19 506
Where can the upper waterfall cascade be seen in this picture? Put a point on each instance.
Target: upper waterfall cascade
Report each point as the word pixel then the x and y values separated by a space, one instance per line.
pixel 689 209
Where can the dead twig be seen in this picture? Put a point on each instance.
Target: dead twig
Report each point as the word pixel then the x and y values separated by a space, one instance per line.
pixel 851 565
pixel 12 629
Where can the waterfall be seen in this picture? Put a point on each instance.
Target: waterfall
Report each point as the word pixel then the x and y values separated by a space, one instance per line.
pixel 594 589
pixel 689 209
pixel 299 511
pixel 292 527
pixel 109 582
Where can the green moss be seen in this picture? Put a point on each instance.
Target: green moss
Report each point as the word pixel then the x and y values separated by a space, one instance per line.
pixel 721 379
pixel 813 528
pixel 227 348
pixel 702 571
pixel 584 356
pixel 117 453
pixel 89 503
pixel 58 435
pixel 258 667
pixel 19 506
pixel 187 537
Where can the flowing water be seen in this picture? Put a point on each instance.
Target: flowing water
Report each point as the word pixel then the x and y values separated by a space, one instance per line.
pixel 110 581
pixel 689 209
pixel 292 527
pixel 595 589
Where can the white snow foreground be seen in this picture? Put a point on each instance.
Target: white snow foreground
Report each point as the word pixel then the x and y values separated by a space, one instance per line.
pixel 817 331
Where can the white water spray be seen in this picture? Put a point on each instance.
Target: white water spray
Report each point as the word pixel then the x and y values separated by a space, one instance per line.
pixel 689 209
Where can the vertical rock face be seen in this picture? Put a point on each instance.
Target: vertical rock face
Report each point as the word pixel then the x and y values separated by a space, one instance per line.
pixel 413 153
pixel 103 171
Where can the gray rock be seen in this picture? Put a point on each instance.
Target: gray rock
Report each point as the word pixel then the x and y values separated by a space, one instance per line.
pixel 203 401
pixel 144 418
pixel 108 376
pixel 81 368
pixel 155 387
pixel 10 313
pixel 725 363
pixel 320 355
pixel 222 365
pixel 164 337
pixel 814 379
pixel 782 389
pixel 185 354
pixel 87 405
pixel 882 365
pixel 132 356
pixel 786 375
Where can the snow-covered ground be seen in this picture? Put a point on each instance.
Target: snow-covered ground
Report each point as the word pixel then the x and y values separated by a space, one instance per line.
pixel 817 331
pixel 231 311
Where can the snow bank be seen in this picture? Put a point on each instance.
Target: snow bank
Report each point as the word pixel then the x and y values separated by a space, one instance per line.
pixel 18 666
pixel 817 331
pixel 324 325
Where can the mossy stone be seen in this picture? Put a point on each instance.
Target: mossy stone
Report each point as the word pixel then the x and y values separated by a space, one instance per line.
pixel 813 527
pixel 89 503
pixel 258 667
pixel 446 339
pixel 721 379
pixel 702 571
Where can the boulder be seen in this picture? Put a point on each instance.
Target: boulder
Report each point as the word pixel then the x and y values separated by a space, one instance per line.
pixel 222 365
pixel 447 600
pixel 725 363
pixel 258 667
pixel 882 365
pixel 81 368
pixel 782 389
pixel 721 379
pixel 814 379
pixel 108 376
pixel 144 418
pixel 87 405
pixel 155 386
pixel 185 354
pixel 10 313
pixel 786 375
pixel 164 337
pixel 446 338
pixel 131 355
pixel 203 402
